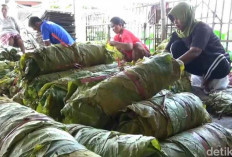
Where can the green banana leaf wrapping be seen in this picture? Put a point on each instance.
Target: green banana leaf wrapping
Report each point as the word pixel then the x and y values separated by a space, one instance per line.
pixel 182 85
pixel 52 95
pixel 59 58
pixel 199 142
pixel 95 106
pixel 9 53
pixel 163 115
pixel 115 144
pixel 24 132
pixel 31 88
pixel 220 103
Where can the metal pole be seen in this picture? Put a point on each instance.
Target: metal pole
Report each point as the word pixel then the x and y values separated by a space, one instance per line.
pixel 74 14
pixel 74 8
pixel 163 18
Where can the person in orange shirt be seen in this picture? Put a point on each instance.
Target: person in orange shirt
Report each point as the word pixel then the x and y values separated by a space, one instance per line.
pixel 126 42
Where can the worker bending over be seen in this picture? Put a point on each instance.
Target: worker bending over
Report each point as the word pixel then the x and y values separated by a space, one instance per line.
pixel 52 33
pixel 126 42
pixel 195 43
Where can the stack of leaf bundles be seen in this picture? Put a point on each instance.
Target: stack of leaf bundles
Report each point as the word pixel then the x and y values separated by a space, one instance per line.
pixel 97 105
pixel 59 58
pixel 163 115
pixel 193 143
pixel 52 95
pixel 199 142
pixel 31 88
pixel 24 132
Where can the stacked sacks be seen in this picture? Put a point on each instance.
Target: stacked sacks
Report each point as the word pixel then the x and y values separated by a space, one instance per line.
pixel 193 143
pixel 97 105
pixel 59 58
pixel 24 132
pixel 163 115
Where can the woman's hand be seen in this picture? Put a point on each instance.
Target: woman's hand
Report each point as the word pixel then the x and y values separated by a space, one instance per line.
pixel 112 43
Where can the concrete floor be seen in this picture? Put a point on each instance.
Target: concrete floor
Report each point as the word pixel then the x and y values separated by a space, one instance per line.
pixel 225 121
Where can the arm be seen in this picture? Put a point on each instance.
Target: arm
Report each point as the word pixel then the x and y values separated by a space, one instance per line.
pixel 190 55
pixel 122 46
pixel 200 38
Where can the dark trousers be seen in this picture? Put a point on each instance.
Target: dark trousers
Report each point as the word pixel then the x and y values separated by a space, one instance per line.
pixel 209 65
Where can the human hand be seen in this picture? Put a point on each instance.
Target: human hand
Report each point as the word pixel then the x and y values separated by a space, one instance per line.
pixel 112 43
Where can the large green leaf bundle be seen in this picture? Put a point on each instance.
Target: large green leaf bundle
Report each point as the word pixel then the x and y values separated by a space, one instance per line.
pixel 59 58
pixel 53 95
pixel 32 88
pixel 203 141
pixel 220 103
pixel 95 106
pixel 163 115
pixel 24 132
pixel 193 143
pixel 115 144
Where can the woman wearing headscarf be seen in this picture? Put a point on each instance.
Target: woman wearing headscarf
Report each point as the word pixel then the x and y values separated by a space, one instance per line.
pixel 126 42
pixel 198 47
pixel 9 30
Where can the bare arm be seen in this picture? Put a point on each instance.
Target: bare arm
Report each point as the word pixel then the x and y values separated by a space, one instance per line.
pixel 122 46
pixel 191 54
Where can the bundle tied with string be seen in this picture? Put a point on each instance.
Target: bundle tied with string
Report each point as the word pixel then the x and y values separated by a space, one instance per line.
pixel 24 132
pixel 98 104
pixel 53 95
pixel 59 58
pixel 164 115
